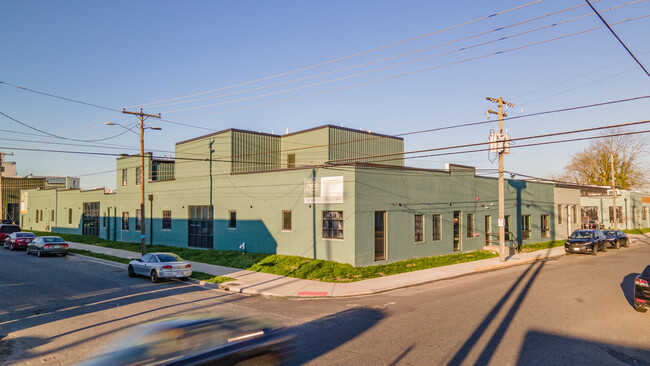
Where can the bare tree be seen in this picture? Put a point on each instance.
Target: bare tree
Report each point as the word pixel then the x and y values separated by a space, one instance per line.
pixel 592 165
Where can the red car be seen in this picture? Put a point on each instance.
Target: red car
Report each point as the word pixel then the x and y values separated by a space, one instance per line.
pixel 6 230
pixel 19 240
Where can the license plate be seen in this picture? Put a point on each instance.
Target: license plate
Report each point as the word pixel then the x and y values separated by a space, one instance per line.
pixel 57 247
pixel 576 249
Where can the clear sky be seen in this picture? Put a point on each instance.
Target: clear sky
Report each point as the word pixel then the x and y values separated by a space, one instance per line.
pixel 118 54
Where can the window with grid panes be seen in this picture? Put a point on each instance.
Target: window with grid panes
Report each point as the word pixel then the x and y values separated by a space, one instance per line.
pixel 332 224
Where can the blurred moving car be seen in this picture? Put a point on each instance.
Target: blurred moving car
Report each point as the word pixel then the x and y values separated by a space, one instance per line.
pixel 586 241
pixel 616 238
pixel 160 265
pixel 18 240
pixel 7 229
pixel 642 291
pixel 44 245
pixel 202 339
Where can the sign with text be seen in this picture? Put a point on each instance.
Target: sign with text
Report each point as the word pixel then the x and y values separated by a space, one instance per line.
pixel 324 190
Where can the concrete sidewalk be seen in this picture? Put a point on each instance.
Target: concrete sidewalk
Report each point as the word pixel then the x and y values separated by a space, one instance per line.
pixel 257 283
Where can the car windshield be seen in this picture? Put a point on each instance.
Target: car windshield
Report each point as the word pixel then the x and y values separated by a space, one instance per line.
pixel 609 232
pixel 582 235
pixel 25 235
pixel 169 258
pixel 53 240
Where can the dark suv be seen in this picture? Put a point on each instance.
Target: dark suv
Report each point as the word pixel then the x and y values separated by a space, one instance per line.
pixel 586 241
pixel 6 230
pixel 642 291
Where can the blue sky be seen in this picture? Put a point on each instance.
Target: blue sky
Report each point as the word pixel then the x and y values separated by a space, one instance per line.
pixel 128 53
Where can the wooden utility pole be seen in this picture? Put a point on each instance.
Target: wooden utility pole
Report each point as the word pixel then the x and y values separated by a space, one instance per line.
pixel 501 149
pixel 2 211
pixel 143 231
pixel 611 164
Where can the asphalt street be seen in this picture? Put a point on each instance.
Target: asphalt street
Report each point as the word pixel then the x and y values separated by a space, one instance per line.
pixel 573 310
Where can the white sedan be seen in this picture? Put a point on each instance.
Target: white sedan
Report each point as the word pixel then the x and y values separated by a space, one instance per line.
pixel 160 265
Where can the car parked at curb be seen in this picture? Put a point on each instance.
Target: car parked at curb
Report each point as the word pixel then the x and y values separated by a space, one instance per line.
pixel 7 229
pixel 586 241
pixel 616 238
pixel 48 245
pixel 160 265
pixel 18 240
pixel 642 291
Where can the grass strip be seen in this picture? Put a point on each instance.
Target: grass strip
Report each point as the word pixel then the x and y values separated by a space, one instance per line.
pixel 637 231
pixel 201 276
pixel 527 248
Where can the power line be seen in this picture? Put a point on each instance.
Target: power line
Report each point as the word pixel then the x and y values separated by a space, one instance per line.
pixel 617 37
pixel 60 97
pixel 342 58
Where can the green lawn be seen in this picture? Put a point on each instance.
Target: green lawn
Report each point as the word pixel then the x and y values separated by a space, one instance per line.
pixel 292 266
pixel 637 231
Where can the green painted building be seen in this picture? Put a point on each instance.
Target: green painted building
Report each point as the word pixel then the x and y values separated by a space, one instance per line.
pixel 330 193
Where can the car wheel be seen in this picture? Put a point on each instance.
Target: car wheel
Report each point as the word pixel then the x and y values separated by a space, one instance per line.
pixel 27 250
pixel 39 252
pixel 154 276
pixel 618 245
pixel 64 254
pixel 605 248
pixel 639 308
pixel 627 243
pixel 595 251
pixel 184 278
pixel 11 247
pixel 131 271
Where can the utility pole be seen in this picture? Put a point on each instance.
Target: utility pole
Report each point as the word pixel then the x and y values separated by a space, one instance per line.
pixel 142 117
pixel 611 164
pixel 2 211
pixel 501 150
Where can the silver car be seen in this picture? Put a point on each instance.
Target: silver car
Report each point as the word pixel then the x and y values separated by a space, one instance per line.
pixel 160 265
pixel 48 245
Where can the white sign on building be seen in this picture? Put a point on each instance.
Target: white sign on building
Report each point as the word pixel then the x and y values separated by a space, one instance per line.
pixel 324 190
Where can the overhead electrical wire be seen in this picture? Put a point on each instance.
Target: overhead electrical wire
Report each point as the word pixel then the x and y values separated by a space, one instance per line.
pixel 60 97
pixel 405 74
pixel 399 55
pixel 342 58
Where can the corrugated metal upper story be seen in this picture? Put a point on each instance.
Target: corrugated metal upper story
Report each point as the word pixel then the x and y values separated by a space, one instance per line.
pixel 257 151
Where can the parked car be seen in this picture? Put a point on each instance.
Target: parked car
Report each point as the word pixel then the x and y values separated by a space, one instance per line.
pixel 160 265
pixel 202 340
pixel 586 241
pixel 45 245
pixel 616 238
pixel 18 240
pixel 7 229
pixel 642 291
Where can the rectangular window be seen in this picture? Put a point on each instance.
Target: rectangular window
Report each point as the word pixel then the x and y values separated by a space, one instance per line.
pixel 138 220
pixel 574 215
pixel 645 213
pixel 70 216
pixel 124 176
pixel 291 160
pixel 470 225
pixel 286 220
pixel 37 216
pixel 232 221
pixel 332 224
pixel 525 227
pixel 506 227
pixel 619 214
pixel 559 214
pixel 41 213
pixel 52 216
pixel 104 219
pixel 167 220
pixel 137 176
pixel 125 221
pixel 546 231
pixel 437 227
pixel 419 228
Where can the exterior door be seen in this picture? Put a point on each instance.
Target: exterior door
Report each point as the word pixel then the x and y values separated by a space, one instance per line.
pixel 488 229
pixel 90 219
pixel 380 235
pixel 457 230
pixel 199 227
